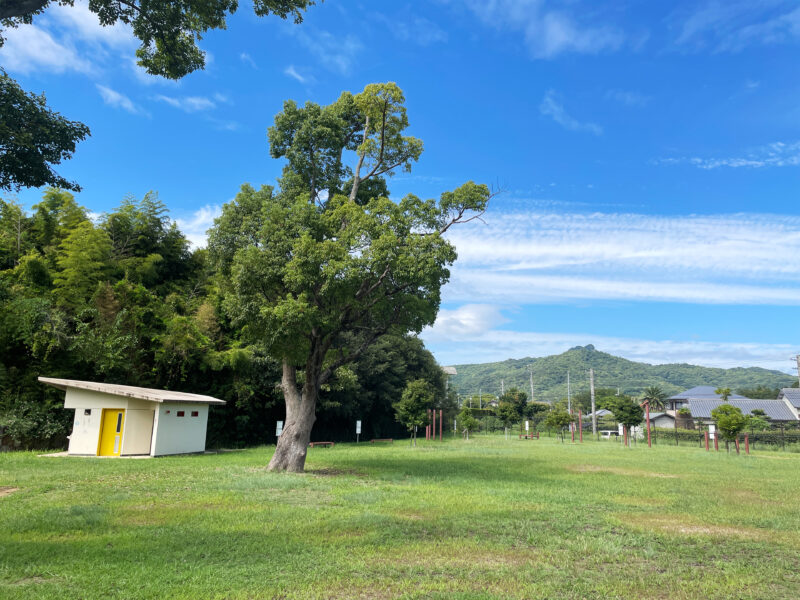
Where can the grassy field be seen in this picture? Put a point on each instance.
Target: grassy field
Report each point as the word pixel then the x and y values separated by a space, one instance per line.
pixel 487 518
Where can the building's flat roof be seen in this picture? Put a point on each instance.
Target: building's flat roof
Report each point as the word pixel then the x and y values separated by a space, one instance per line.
pixel 131 391
pixel 776 410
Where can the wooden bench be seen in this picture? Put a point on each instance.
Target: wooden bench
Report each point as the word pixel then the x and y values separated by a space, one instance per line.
pixel 390 440
pixel 529 436
pixel 326 444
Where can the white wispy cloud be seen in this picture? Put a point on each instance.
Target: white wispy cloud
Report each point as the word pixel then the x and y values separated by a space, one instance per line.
pixel 494 344
pixel 627 97
pixel 776 154
pixel 552 107
pixel 520 257
pixel 292 72
pixel 196 225
pixel 548 30
pixel 247 59
pixel 335 52
pixel 118 100
pixel 30 48
pixel 189 104
pixel 64 39
pixel 731 26
pixel 418 30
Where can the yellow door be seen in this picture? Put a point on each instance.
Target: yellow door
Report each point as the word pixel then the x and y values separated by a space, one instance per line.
pixel 111 432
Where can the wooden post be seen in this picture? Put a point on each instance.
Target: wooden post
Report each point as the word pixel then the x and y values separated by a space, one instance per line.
pixel 440 424
pixel 428 426
pixel 737 444
pixel 433 429
pixel 572 430
pixel 580 425
pixel 625 436
pixel 716 441
pixel 746 444
pixel 706 435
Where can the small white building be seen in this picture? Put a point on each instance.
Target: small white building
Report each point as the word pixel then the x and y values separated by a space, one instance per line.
pixel 123 420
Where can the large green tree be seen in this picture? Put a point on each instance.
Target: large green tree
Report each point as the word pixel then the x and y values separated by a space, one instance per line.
pixel 729 420
pixel 327 275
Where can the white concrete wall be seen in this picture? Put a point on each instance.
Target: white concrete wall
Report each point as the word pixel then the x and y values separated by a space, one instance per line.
pixel 85 434
pixel 85 431
pixel 137 432
pixel 664 422
pixel 179 435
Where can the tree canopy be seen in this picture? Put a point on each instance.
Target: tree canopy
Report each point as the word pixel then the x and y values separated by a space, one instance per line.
pixel 318 274
pixel 33 138
pixel 123 299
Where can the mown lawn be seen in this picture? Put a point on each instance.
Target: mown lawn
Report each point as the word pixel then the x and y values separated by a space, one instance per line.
pixel 487 518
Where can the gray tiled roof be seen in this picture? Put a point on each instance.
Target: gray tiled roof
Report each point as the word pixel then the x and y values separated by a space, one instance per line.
pixel 776 410
pixel 701 391
pixel 792 395
pixel 656 415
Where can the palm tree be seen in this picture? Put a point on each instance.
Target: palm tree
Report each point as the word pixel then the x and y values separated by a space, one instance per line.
pixel 655 397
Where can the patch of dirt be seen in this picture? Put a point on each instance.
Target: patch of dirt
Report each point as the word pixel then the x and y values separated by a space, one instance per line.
pixel 679 524
pixel 7 490
pixel 618 471
pixel 33 580
pixel 748 496
pixel 640 501
pixel 330 472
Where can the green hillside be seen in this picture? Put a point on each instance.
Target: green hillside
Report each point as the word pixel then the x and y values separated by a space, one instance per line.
pixel 550 375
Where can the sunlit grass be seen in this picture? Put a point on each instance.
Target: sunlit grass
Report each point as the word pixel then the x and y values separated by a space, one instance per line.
pixel 487 518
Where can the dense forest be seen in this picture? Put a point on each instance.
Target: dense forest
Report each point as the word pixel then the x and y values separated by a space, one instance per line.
pixel 122 298
pixel 550 376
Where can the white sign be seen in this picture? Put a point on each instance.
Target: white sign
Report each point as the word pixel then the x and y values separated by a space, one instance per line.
pixel 358 427
pixel 712 431
pixel 527 425
pixel 279 429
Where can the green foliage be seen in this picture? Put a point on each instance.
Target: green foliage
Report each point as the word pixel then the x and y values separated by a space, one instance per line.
pixel 723 392
pixel 507 413
pixel 412 408
pixel 655 397
pixel 627 412
pixel 684 412
pixel 760 392
pixel 729 420
pixel 611 372
pixel 86 301
pixel 33 138
pixel 465 421
pixel 558 419
pixel 168 31
pixel 518 400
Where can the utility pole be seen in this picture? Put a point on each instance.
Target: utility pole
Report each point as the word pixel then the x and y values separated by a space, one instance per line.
pixel 594 408
pixel 502 388
pixel 530 369
pixel 797 358
pixel 569 396
pixel 569 407
pixel 480 398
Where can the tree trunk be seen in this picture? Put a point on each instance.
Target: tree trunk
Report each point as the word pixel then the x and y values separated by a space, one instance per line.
pixel 290 453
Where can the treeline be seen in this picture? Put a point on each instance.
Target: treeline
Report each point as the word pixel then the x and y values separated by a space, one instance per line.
pixel 123 299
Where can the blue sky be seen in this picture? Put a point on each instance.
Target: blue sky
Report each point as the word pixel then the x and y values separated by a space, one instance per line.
pixel 649 153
